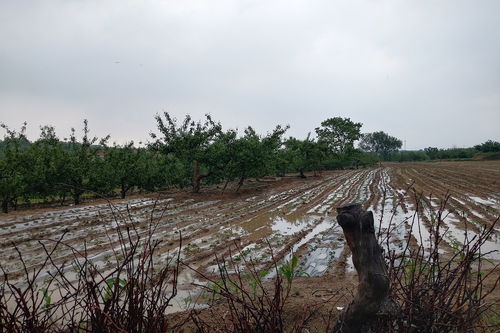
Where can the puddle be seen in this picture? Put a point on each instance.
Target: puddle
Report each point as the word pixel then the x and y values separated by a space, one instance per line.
pixel 343 184
pixel 273 215
pixel 490 202
pixel 363 192
pixel 325 224
pixel 318 259
pixel 350 265
pixel 287 228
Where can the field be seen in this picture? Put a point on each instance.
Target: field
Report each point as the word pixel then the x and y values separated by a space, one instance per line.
pixel 281 214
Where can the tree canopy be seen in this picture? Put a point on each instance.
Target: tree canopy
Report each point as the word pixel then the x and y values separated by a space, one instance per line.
pixel 187 153
pixel 190 143
pixel 305 155
pixel 339 134
pixel 379 143
pixel 488 146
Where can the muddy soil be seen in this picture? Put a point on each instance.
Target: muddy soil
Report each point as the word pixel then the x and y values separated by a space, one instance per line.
pixel 268 219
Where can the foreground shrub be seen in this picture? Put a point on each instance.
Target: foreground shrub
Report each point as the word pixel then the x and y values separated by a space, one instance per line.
pixel 442 289
pixel 254 298
pixel 437 288
pixel 130 296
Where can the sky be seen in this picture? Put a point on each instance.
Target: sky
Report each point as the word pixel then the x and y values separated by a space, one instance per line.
pixel 426 72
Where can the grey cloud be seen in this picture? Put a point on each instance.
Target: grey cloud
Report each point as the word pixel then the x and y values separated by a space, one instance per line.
pixel 407 68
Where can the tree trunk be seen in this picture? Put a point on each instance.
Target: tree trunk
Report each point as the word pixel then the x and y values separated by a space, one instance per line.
pixel 76 197
pixel 195 181
pixel 302 173
pixel 197 185
pixel 225 185
pixel 123 191
pixel 5 206
pixel 240 183
pixel 371 299
pixel 197 177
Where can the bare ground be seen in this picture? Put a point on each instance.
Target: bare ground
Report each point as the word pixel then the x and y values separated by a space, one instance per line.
pixel 271 215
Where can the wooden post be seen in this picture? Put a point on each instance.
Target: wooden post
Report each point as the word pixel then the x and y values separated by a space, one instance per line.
pixel 369 262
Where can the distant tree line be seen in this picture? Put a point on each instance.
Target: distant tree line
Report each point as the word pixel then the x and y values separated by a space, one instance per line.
pixel 182 154
pixel 487 150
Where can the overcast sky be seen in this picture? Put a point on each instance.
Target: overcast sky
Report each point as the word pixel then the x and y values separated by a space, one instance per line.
pixel 427 72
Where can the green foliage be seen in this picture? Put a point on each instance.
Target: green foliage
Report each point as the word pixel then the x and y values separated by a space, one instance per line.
pixel 305 155
pixel 289 269
pixel 380 143
pixel 339 134
pixel 249 152
pixel 113 285
pixel 361 158
pixel 244 156
pixel 205 151
pixel 255 281
pixel 13 166
pixel 432 152
pixel 190 143
pixel 185 154
pixel 118 168
pixel 406 156
pixel 81 163
pixel 253 155
pixel 414 269
pixel 47 155
pixel 270 145
pixel 488 146
pixel 47 298
pixel 220 155
pixel 489 156
pixel 156 171
pixel 456 153
pixel 181 155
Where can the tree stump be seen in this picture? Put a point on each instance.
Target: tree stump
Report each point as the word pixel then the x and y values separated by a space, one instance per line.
pixel 368 260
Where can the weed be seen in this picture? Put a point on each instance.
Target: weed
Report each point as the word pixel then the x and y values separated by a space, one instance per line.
pixel 438 294
pixel 253 301
pixel 130 296
pixel 289 269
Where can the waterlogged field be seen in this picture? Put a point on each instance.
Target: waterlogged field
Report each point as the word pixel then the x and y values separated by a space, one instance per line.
pixel 268 220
